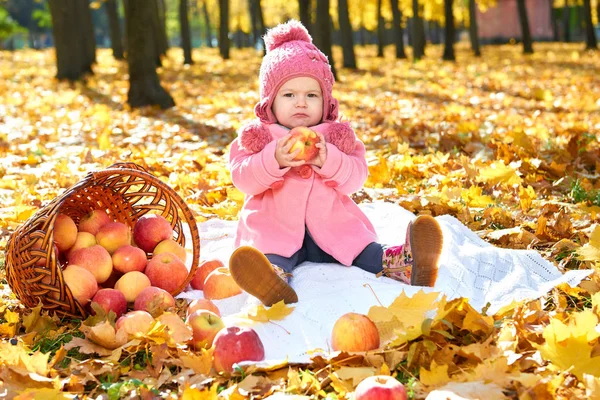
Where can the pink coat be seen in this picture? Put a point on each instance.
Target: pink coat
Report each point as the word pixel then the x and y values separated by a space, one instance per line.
pixel 280 203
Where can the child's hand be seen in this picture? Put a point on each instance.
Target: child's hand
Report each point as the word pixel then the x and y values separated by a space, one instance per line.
pixel 321 157
pixel 282 153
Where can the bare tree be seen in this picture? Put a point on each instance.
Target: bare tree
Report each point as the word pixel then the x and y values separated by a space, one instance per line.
pixel 449 32
pixel 184 24
pixel 114 27
pixel 525 32
pixel 473 29
pixel 398 31
pixel 144 85
pixel 73 38
pixel 346 32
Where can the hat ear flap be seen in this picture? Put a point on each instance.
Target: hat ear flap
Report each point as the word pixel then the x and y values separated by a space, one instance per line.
pixel 261 110
pixel 332 113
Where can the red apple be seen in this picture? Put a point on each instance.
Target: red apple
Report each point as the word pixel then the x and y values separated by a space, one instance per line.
pixel 203 304
pixel 65 232
pixel 205 326
pixel 95 259
pixel 92 221
pixel 219 284
pixel 305 141
pixel 135 322
pixel 205 268
pixel 111 300
pixel 154 300
pixel 150 230
pixel 131 284
pixel 171 246
pixel 166 271
pixel 380 387
pixel 354 332
pixel 129 258
pixel 233 345
pixel 81 282
pixel 113 235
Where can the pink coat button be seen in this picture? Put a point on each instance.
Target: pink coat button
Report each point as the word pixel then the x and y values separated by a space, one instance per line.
pixel 277 185
pixel 305 171
pixel 331 184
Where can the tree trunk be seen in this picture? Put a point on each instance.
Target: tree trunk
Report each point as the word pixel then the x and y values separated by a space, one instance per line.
pixel 566 22
pixel 261 23
pixel 224 29
pixel 186 39
pixel 114 29
pixel 553 22
pixel 254 29
pixel 449 32
pixel 161 28
pixel 398 32
pixel 305 15
pixel 590 36
pixel 418 34
pixel 144 85
pixel 73 38
pixel 207 32
pixel 380 30
pixel 525 33
pixel 473 29
pixel 346 33
pixel 323 29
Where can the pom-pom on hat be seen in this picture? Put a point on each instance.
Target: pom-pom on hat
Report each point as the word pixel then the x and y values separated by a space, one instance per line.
pixel 291 54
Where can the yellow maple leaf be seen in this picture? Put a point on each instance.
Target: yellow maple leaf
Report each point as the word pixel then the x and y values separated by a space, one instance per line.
pixel 591 250
pixel 474 198
pixel 498 172
pixel 568 346
pixel 277 311
pixel 9 328
pixel 357 374
pixel 19 358
pixel 190 393
pixel 526 196
pixel 200 362
pixel 437 375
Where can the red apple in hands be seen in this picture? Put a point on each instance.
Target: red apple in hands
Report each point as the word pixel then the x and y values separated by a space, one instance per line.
pixel 92 221
pixel 95 259
pixel 219 284
pixel 129 258
pixel 205 268
pixel 305 140
pixel 380 387
pixel 203 304
pixel 113 235
pixel 205 326
pixel 233 345
pixel 65 232
pixel 354 332
pixel 154 300
pixel 166 271
pixel 150 230
pixel 111 300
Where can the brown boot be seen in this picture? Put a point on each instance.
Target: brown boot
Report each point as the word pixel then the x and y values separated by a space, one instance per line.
pixel 255 275
pixel 426 242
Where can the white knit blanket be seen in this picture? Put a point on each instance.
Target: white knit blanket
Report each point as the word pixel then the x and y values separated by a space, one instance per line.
pixel 469 267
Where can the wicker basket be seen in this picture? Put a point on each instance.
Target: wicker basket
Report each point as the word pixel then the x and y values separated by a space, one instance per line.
pixel 125 191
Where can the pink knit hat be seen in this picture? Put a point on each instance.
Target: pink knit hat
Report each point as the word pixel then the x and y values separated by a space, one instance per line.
pixel 291 54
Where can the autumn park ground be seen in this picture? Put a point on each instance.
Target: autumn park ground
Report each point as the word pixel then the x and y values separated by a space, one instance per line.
pixel 507 143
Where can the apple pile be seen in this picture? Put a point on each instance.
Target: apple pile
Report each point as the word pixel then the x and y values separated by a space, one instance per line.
pixel 109 263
